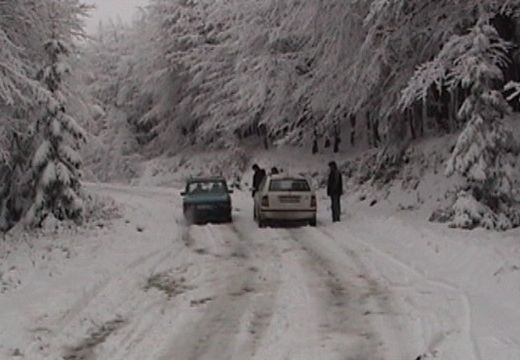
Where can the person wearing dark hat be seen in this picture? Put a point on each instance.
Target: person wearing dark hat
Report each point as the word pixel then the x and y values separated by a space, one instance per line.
pixel 258 176
pixel 335 190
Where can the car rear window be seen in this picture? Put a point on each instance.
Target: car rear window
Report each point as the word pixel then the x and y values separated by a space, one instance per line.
pixel 207 187
pixel 289 185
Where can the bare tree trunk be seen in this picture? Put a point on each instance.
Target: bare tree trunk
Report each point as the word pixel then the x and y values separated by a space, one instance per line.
pixel 369 130
pixel 451 112
pixel 441 123
pixel 422 125
pixel 459 99
pixel 337 137
pixel 409 115
pixel 315 142
pixel 424 116
pixel 375 129
pixel 352 129
pixel 262 131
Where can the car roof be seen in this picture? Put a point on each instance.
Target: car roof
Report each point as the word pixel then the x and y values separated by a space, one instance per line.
pixel 286 177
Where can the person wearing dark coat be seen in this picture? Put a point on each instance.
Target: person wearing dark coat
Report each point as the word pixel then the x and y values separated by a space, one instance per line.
pixel 335 190
pixel 258 176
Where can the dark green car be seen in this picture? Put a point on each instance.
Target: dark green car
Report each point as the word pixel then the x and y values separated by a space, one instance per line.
pixel 207 200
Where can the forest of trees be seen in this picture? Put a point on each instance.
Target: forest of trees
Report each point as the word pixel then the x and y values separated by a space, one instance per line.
pixel 206 72
pixel 39 161
pixel 214 72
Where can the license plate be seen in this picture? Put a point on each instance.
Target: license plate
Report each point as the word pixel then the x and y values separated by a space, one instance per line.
pixel 205 207
pixel 287 199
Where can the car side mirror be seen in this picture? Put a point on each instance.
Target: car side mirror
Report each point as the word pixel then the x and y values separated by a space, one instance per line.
pixel 230 191
pixel 183 193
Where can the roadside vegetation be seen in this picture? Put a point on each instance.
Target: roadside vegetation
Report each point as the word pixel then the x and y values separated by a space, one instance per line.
pixel 335 76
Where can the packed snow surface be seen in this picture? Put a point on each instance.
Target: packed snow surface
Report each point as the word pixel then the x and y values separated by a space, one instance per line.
pixel 377 286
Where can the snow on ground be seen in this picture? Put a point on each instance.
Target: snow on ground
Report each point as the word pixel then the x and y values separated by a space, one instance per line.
pixel 460 286
pixel 378 285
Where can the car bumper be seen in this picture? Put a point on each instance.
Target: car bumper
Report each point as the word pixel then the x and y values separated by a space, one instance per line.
pixel 207 213
pixel 287 215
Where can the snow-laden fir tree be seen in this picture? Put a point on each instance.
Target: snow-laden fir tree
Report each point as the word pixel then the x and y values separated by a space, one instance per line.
pixel 484 151
pixel 56 163
pixel 20 49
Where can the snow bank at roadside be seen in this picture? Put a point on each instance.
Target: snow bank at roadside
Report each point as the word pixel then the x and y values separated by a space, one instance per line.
pixel 22 250
pixel 480 270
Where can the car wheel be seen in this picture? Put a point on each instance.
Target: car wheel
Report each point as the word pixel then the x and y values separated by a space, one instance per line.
pixel 312 222
pixel 261 222
pixel 189 215
pixel 254 213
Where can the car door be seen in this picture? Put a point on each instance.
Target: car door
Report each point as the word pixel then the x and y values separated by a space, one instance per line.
pixel 259 194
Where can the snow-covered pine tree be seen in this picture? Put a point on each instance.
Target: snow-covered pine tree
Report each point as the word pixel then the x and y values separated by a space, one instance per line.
pixel 20 49
pixel 14 77
pixel 483 154
pixel 56 162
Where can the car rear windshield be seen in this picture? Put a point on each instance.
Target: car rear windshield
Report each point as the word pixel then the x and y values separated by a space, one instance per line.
pixel 289 185
pixel 206 187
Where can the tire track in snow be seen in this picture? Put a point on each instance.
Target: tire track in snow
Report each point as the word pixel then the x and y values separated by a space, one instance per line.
pixel 134 338
pixel 88 296
pixel 313 313
pixel 122 305
pixel 218 332
pixel 423 278
pixel 133 341
pixel 101 297
pixel 265 261
pixel 295 328
pixel 346 297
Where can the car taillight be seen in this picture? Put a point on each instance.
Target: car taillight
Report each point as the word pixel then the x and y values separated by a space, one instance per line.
pixel 265 201
pixel 313 201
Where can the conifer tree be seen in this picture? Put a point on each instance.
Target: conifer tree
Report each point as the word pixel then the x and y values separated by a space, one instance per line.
pixel 56 162
pixel 483 154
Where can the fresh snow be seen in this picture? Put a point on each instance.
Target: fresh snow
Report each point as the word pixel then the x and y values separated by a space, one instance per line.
pixel 378 285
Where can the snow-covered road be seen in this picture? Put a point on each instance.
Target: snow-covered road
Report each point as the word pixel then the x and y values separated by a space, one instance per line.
pixel 150 287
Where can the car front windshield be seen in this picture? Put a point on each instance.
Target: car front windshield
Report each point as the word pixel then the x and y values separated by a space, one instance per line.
pixel 289 185
pixel 198 187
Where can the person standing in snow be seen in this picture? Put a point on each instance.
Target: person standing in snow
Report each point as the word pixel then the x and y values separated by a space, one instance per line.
pixel 335 190
pixel 258 176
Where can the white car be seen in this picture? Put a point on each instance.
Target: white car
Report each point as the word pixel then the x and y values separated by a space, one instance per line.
pixel 282 198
